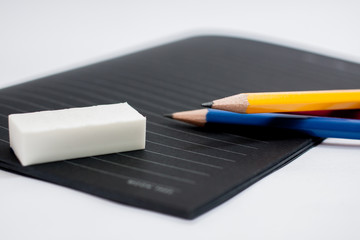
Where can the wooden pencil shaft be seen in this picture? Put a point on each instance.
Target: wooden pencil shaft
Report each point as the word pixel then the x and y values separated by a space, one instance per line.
pixel 196 117
pixel 268 102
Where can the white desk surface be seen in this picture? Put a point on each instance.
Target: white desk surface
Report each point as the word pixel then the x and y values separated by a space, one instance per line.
pixel 317 196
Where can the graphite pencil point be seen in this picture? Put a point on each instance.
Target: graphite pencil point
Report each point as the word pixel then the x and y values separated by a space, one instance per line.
pixel 168 115
pixel 207 104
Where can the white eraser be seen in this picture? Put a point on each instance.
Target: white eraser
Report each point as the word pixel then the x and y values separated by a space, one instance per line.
pixel 49 136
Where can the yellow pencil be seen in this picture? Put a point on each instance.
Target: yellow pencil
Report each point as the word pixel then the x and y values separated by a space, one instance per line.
pixel 266 102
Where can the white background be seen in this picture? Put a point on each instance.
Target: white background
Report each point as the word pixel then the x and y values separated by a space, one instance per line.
pixel 315 197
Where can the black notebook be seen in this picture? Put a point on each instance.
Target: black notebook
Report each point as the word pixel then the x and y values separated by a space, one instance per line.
pixel 184 170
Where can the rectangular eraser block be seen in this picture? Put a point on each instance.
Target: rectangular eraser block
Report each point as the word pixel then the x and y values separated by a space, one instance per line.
pixel 49 136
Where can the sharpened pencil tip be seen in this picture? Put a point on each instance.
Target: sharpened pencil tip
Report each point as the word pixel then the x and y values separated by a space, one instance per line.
pixel 207 104
pixel 168 115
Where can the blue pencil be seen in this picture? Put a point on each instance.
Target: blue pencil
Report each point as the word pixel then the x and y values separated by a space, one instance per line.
pixel 323 127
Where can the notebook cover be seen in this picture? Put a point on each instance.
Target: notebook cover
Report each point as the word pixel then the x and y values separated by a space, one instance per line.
pixel 184 170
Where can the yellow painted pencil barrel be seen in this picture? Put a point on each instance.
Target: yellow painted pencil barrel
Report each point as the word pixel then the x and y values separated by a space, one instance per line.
pixel 267 102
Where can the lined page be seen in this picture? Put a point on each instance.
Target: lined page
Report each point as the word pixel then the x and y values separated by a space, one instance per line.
pixel 184 170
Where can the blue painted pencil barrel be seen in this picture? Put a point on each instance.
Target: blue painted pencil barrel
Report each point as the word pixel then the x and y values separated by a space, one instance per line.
pixel 316 126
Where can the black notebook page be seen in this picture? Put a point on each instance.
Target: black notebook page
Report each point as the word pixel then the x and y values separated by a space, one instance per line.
pixel 184 170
